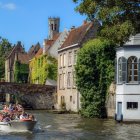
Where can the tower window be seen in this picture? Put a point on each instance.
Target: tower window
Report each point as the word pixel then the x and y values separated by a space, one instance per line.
pixel 52 26
pixel 55 27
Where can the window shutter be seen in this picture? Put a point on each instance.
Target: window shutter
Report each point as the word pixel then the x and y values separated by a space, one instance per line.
pixel 124 70
pixel 115 76
pixel 139 70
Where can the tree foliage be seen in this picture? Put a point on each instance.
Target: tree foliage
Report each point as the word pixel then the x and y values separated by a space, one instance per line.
pixel 5 48
pixel 120 18
pixel 94 73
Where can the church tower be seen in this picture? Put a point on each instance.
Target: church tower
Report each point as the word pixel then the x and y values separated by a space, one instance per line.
pixel 53 24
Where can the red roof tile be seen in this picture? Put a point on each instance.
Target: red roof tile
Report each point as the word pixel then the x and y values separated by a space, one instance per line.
pixel 76 35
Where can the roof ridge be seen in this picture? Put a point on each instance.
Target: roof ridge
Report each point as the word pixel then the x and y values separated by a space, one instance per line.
pixel 81 26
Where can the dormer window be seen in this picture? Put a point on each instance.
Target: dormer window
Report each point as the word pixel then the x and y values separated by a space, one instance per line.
pixel 132 69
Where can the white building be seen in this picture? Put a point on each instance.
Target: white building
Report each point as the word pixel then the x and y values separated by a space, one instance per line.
pixel 128 81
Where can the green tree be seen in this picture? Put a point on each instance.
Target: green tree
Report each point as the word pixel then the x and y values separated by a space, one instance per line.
pixel 119 18
pixel 5 48
pixel 94 73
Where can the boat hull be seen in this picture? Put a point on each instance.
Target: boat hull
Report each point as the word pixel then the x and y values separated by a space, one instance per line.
pixel 17 126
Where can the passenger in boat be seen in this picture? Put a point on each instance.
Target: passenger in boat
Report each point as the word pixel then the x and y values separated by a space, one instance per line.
pixel 6 118
pixel 16 117
pixel 15 108
pixel 1 117
pixel 31 117
pixel 19 108
pixel 11 108
pixel 23 116
pixel 6 108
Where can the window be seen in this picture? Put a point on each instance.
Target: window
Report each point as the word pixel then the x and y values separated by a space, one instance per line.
pixel 61 61
pixel 56 99
pixel 121 70
pixel 70 58
pixel 132 105
pixel 55 27
pixel 64 80
pixel 52 26
pixel 64 60
pixel 74 79
pixel 69 80
pixel 60 81
pixel 62 100
pixel 70 98
pixel 75 56
pixel 132 69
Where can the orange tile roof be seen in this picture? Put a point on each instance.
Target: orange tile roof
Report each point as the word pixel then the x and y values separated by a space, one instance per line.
pixel 76 35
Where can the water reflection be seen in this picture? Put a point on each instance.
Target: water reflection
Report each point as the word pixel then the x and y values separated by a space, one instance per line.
pixel 73 127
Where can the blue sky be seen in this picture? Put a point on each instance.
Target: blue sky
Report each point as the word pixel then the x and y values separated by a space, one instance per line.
pixel 27 20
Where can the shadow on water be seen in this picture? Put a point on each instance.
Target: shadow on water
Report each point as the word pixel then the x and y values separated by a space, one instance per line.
pixel 73 127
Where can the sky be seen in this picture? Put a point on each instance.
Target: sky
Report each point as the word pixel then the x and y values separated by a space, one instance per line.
pixel 27 20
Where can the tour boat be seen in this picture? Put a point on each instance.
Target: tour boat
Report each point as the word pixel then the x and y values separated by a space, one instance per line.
pixel 17 126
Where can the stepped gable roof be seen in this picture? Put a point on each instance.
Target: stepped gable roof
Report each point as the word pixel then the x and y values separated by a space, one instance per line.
pixel 40 52
pixel 23 58
pixel 77 34
pixel 33 50
pixel 50 42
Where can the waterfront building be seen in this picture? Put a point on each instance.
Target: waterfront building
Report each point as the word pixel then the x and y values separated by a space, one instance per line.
pixel 17 65
pixel 128 80
pixel 68 96
pixel 19 55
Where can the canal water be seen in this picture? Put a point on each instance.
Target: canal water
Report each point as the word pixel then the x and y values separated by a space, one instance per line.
pixel 73 127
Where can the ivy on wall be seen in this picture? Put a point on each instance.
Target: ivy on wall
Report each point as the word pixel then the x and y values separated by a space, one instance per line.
pixel 42 68
pixel 21 72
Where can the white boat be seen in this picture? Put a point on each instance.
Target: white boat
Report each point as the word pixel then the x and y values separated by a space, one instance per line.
pixel 17 126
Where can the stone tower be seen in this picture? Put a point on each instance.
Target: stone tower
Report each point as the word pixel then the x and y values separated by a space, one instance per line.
pixel 53 24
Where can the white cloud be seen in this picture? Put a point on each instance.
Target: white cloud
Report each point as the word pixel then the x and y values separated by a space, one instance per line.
pixel 8 6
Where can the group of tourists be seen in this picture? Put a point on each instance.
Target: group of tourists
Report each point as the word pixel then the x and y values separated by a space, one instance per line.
pixel 14 112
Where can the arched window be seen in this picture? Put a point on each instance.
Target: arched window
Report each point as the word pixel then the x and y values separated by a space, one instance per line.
pixel 132 69
pixel 122 70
